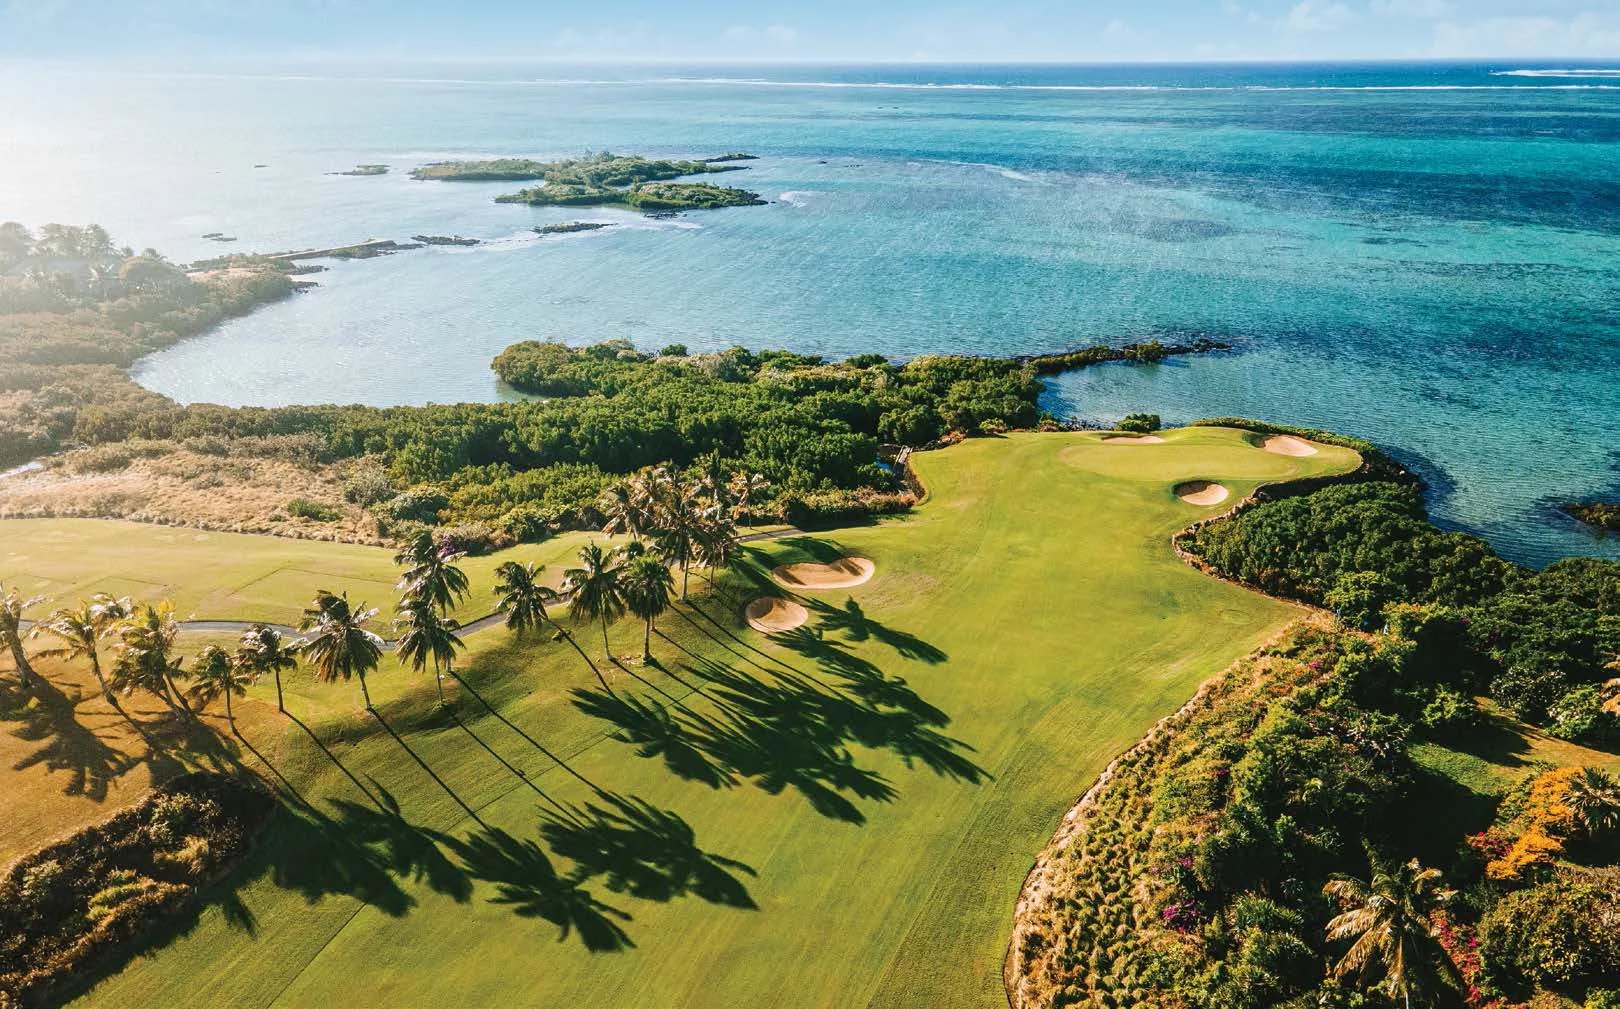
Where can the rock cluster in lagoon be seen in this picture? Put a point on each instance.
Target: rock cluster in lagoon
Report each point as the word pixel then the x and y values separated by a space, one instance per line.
pixel 1597 514
pixel 570 227
pixel 443 240
pixel 364 170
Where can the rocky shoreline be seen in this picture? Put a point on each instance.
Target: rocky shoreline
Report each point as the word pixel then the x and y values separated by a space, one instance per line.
pixel 570 227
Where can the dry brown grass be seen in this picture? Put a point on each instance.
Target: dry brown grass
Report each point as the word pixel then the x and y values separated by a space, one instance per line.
pixel 69 760
pixel 190 488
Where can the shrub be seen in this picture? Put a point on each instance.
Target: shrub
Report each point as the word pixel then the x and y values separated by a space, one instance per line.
pixel 419 504
pixel 1359 598
pixel 1140 423
pixel 825 507
pixel 315 511
pixel 1561 934
pixel 1530 688
pixel 528 523
pixel 473 538
pixel 367 485
pixel 1450 710
pixel 1579 716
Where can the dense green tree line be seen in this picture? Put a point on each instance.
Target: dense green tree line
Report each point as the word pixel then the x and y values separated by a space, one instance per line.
pixel 514 470
pixel 1541 642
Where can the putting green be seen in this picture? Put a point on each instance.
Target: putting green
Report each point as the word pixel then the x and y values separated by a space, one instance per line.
pixel 1033 598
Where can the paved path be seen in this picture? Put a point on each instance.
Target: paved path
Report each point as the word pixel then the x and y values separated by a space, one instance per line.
pixel 472 626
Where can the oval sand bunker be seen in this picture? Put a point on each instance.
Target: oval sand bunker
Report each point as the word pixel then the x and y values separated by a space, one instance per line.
pixel 844 573
pixel 1202 492
pixel 771 615
pixel 1133 439
pixel 1287 444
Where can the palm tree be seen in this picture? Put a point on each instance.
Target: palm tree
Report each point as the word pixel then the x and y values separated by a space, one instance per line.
pixel 430 572
pixel 12 604
pixel 1388 925
pixel 595 591
pixel 146 640
pixel 622 510
pixel 218 674
pixel 717 544
pixel 745 489
pixel 80 628
pixel 523 599
pixel 680 529
pixel 263 650
pixel 1594 801
pixel 427 637
pixel 646 585
pixel 336 641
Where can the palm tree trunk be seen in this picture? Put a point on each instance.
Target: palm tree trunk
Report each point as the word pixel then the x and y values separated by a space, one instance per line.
pixel 279 705
pixel 184 709
pixel 25 672
pixel 686 567
pixel 530 739
pixel 107 691
pixel 365 693
pixel 230 716
pixel 646 642
pixel 570 639
pixel 607 649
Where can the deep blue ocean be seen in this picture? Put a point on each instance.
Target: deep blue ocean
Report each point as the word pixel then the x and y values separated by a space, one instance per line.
pixel 1427 255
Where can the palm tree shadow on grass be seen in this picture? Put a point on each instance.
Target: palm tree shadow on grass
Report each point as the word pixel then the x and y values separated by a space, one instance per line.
pixel 47 715
pixel 853 622
pixel 647 852
pixel 790 731
pixel 527 882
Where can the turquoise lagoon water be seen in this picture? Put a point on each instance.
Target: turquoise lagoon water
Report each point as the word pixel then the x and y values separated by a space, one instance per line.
pixel 1426 255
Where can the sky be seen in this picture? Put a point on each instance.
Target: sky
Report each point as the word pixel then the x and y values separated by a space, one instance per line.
pixel 825 30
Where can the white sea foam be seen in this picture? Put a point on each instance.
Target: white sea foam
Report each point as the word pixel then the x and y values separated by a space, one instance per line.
pixel 796 197
pixel 941 86
pixel 1602 74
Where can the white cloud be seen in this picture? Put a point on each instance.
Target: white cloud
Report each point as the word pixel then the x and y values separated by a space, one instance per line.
pixel 776 35
pixel 1312 16
pixel 1585 34
pixel 1118 31
pixel 1425 10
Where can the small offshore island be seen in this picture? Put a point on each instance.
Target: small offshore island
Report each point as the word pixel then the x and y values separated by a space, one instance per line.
pixel 602 180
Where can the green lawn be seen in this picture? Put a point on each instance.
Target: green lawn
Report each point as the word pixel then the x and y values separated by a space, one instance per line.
pixel 1033 599
pixel 213 575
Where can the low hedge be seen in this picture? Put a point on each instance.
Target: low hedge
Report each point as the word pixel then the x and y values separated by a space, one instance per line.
pixel 93 897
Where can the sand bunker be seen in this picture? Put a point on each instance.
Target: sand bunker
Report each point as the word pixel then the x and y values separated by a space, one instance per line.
pixel 1133 439
pixel 1202 492
pixel 845 573
pixel 770 615
pixel 1287 444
